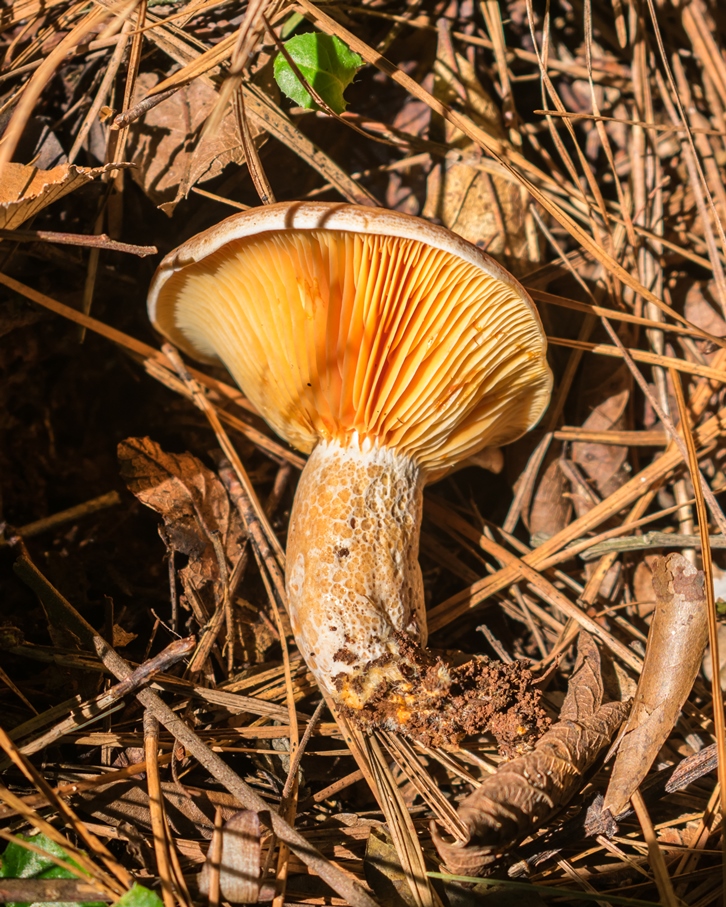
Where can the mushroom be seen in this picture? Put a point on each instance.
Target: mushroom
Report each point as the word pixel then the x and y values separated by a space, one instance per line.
pixel 390 350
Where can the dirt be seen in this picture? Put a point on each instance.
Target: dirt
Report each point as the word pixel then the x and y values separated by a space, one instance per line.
pixel 439 702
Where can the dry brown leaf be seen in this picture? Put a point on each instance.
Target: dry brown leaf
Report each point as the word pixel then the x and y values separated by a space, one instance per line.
pixel 25 190
pixel 604 464
pixel 522 794
pixel 122 637
pixel 467 201
pixel 194 505
pixel 240 861
pixel 165 146
pixel 551 506
pixel 473 196
pixel 700 308
pixel 676 643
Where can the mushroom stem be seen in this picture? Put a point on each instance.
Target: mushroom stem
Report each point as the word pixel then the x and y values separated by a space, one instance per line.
pixel 353 579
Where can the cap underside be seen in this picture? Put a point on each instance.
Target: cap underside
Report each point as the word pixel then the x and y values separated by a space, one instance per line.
pixel 331 333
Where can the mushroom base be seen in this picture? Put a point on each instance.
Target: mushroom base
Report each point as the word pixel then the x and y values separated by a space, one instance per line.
pixel 439 700
pixel 353 579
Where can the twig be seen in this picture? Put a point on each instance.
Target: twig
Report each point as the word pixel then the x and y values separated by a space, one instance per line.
pixel 296 759
pixel 130 116
pixel 50 891
pixel 97 241
pixel 647 541
pixel 65 516
pixel 97 708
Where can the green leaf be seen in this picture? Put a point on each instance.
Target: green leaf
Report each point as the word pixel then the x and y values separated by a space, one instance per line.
pixel 327 64
pixel 20 863
pixel 138 896
pixel 290 24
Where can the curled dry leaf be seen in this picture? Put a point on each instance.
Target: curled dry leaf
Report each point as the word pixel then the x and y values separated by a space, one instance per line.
pixel 700 308
pixel 676 643
pixel 240 862
pixel 195 507
pixel 551 505
pixel 472 196
pixel 522 794
pixel 25 190
pixel 605 464
pixel 166 147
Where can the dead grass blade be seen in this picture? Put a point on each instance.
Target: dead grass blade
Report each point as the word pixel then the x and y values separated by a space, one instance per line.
pixel 407 760
pixel 274 121
pixel 690 154
pixel 680 365
pixel 400 823
pixel 611 314
pixel 116 879
pixel 655 854
pixel 108 894
pixel 544 588
pixel 553 550
pixel 159 826
pixel 254 164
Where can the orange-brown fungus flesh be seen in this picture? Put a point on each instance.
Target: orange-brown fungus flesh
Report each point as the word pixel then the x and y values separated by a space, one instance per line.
pixel 439 702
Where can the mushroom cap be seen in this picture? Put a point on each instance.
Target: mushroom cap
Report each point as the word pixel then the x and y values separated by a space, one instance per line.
pixel 360 324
